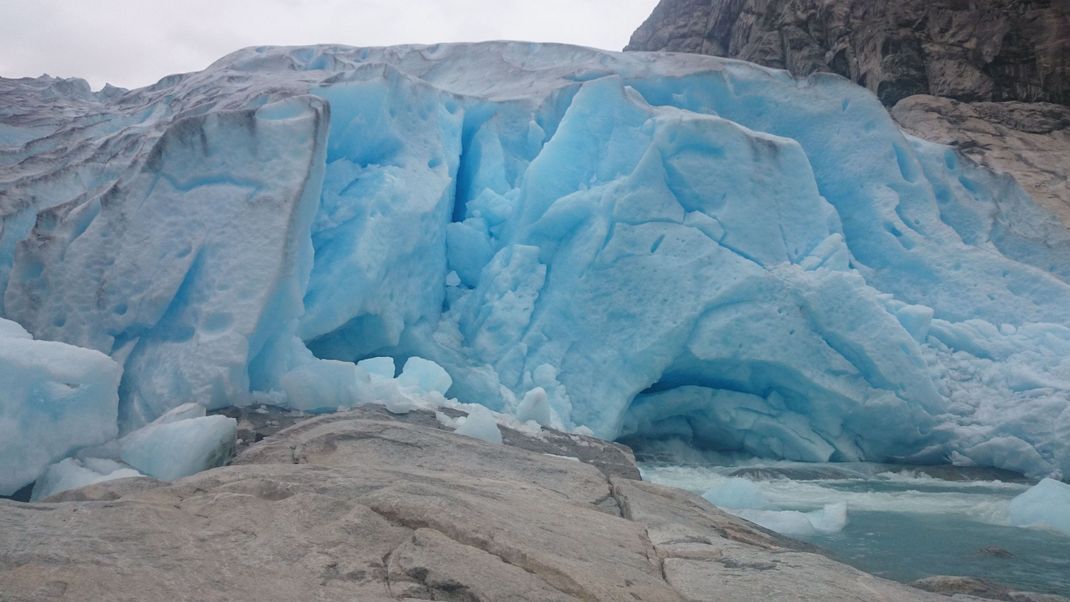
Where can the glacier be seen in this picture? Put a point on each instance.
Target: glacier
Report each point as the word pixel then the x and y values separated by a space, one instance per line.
pixel 644 245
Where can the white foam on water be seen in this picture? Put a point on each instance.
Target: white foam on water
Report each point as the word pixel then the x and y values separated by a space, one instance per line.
pixel 830 519
pixel 982 501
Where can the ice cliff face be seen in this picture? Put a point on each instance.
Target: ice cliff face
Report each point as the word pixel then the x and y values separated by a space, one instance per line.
pixel 662 245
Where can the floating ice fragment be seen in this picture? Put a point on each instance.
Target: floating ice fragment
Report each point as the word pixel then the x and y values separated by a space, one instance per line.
pixel 830 519
pixel 1046 505
pixel 736 493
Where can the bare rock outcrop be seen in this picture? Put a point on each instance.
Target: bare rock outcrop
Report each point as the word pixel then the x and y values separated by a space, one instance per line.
pixel 370 506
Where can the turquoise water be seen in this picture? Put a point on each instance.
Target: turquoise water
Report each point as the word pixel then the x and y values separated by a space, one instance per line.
pixel 902 523
pixel 906 547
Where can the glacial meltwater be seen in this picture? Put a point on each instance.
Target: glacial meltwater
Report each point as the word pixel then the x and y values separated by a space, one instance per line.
pixel 899 522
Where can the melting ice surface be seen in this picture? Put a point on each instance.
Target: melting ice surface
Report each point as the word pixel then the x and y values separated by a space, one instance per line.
pixel 648 245
pixel 895 521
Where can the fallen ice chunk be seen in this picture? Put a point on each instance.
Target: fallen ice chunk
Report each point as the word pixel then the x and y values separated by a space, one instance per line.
pixel 73 473
pixel 446 420
pixel 534 406
pixel 736 493
pixel 53 398
pixel 425 375
pixel 1046 505
pixel 830 519
pixel 183 412
pixel 325 384
pixel 172 450
pixel 480 424
pixel 396 401
pixel 378 367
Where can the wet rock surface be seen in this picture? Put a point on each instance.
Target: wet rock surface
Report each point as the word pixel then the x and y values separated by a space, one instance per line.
pixel 966 587
pixel 370 506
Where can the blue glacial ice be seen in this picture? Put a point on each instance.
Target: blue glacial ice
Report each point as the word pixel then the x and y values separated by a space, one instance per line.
pixel 831 518
pixel 645 245
pixel 480 424
pixel 1045 505
pixel 424 376
pixel 745 499
pixel 535 407
pixel 54 398
pixel 75 473
pixel 736 493
pixel 181 442
pixel 174 447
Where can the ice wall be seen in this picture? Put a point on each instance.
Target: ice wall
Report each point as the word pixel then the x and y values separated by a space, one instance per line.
pixel 662 245
pixel 191 270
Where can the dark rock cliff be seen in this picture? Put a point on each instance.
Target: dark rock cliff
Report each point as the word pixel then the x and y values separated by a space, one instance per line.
pixel 969 50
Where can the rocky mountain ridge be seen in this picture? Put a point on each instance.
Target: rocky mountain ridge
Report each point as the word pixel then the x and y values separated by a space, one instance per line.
pixel 977 50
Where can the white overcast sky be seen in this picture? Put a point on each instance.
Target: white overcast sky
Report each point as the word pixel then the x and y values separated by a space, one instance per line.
pixel 134 43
